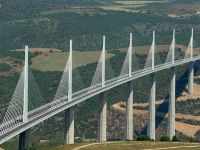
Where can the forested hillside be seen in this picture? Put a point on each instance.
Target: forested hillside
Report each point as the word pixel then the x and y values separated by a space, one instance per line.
pixel 45 25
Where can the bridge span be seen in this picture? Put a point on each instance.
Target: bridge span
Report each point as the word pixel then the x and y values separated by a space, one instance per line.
pixel 20 123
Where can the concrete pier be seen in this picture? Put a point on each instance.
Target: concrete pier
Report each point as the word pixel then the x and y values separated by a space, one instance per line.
pixel 171 108
pixel 102 117
pixel 24 136
pixel 190 78
pixel 129 112
pixel 151 122
pixel 69 126
pixel 24 140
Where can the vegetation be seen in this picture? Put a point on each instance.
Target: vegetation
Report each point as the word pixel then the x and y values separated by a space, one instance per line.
pixel 51 24
pixel 54 30
pixel 143 138
pixel 175 139
pixel 164 138
pixel 57 61
pixel 188 107
pixel 4 67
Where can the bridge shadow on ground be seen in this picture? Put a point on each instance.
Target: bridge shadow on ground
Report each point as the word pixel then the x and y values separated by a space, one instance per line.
pixel 180 87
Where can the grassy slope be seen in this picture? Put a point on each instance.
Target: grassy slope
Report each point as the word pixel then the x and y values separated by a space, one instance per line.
pixel 57 61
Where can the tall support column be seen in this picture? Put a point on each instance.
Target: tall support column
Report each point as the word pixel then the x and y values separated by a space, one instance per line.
pixel 129 112
pixel 103 61
pixel 190 78
pixel 69 126
pixel 24 140
pixel 192 43
pixel 153 52
pixel 130 55
pixel 171 108
pixel 151 122
pixel 25 105
pixel 173 46
pixel 24 136
pixel 70 73
pixel 102 119
pixel 102 98
pixel 69 113
pixel 191 68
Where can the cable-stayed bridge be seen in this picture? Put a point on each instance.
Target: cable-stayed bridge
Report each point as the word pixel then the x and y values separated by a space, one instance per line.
pixel 22 114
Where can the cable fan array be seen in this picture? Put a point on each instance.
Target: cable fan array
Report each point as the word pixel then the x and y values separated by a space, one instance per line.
pixel 66 90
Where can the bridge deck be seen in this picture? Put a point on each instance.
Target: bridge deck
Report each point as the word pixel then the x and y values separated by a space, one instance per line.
pixel 44 112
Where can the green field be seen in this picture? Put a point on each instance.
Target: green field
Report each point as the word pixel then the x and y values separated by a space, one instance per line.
pixel 129 145
pixel 57 61
pixel 127 8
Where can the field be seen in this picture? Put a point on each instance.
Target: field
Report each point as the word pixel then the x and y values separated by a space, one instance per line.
pixel 129 145
pixel 137 2
pixel 57 61
pixel 177 10
pixel 118 7
pixel 77 10
pixel 128 6
pixel 158 48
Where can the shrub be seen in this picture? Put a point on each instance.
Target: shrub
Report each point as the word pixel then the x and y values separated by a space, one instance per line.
pixel 143 138
pixel 164 138
pixel 191 139
pixel 175 139
pixel 4 67
pixel 19 62
pixel 78 140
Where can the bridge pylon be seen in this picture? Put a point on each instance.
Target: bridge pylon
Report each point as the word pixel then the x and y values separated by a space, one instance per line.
pixel 172 96
pixel 102 98
pixel 69 113
pixel 130 54
pixel 191 78
pixel 24 140
pixel 70 73
pixel 192 43
pixel 153 52
pixel 173 46
pixel 152 96
pixel 25 104
pixel 103 61
pixel 24 136
pixel 129 112
pixel 191 66
pixel 69 126
pixel 102 128
pixel 171 106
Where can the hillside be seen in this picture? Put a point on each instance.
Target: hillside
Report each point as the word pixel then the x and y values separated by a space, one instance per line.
pixel 48 25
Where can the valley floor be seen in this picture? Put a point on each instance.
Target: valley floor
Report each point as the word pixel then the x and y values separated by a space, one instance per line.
pixel 185 128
